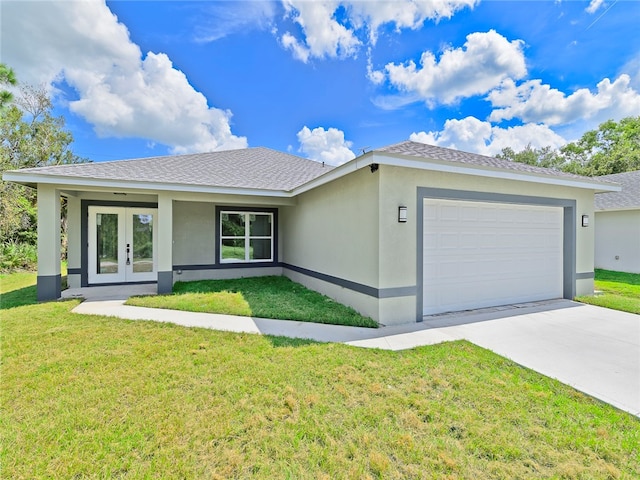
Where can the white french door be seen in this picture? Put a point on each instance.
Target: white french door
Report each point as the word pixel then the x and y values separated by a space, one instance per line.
pixel 122 244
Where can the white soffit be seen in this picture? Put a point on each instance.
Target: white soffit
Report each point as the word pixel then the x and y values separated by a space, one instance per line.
pixel 68 181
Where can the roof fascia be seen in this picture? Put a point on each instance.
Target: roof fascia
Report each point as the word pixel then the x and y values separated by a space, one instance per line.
pixel 618 209
pixel 338 172
pixel 477 170
pixel 67 181
pixel 397 160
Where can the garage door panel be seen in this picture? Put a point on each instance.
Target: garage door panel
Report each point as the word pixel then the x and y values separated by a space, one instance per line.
pixel 449 213
pixel 469 214
pixel 479 254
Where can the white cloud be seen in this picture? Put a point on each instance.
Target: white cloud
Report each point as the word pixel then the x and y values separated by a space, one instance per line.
pixel 217 20
pixel 300 52
pixel 532 101
pixel 485 60
pixel 338 28
pixel 632 68
pixel 473 135
pixel 410 14
pixel 376 77
pixel 324 35
pixel 327 146
pixel 120 91
pixel 594 6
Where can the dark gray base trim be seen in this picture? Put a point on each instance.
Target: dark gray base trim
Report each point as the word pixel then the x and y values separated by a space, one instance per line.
pixel 226 266
pixel 74 271
pixel 165 282
pixel 585 275
pixel 394 292
pixel 356 287
pixel 49 287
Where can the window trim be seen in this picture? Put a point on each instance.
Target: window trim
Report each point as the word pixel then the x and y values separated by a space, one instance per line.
pixel 273 212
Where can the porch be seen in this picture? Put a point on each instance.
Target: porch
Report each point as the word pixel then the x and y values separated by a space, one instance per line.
pixel 110 292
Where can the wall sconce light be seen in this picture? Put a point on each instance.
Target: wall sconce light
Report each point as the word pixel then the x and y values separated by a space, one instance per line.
pixel 402 214
pixel 585 220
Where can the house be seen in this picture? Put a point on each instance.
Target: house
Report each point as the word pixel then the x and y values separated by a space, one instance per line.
pixel 397 233
pixel 617 225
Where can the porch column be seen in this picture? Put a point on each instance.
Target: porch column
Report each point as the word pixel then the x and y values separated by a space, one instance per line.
pixel 165 243
pixel 74 244
pixel 49 280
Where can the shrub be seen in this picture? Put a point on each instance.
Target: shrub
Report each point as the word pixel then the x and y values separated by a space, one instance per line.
pixel 18 256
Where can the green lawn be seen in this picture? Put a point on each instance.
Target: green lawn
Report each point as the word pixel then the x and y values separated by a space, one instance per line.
pixel 97 397
pixel 263 297
pixel 19 288
pixel 619 291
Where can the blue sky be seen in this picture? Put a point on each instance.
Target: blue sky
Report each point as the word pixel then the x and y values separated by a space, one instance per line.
pixel 325 79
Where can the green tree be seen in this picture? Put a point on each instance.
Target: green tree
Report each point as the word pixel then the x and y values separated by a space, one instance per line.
pixel 30 136
pixel 541 157
pixel 613 148
pixel 7 77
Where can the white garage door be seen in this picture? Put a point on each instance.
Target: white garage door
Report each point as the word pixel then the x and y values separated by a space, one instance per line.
pixel 479 254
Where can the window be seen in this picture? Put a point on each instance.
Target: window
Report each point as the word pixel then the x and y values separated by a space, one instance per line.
pixel 246 237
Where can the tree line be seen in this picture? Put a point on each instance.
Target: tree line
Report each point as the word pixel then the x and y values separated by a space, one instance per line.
pixel 30 136
pixel 614 147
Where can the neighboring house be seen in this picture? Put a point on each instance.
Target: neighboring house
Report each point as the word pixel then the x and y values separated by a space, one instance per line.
pixel 398 233
pixel 617 224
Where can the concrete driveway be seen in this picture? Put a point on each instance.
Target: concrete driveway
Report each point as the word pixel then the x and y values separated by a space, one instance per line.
pixel 593 349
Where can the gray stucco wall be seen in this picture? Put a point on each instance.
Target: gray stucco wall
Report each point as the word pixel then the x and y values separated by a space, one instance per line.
pixel 330 240
pixel 618 240
pixel 348 232
pixel 193 233
pixel 333 229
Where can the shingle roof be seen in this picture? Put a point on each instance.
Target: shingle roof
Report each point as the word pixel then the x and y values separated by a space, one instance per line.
pixel 422 150
pixel 628 197
pixel 265 169
pixel 253 168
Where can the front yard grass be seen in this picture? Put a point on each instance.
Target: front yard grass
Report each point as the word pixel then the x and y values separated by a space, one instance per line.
pixel 17 288
pixel 97 397
pixel 264 297
pixel 620 291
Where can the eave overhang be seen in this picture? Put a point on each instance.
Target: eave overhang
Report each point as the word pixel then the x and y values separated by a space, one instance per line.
pixel 435 165
pixel 396 160
pixel 77 183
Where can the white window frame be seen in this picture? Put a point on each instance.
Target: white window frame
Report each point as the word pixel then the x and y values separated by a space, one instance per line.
pixel 247 237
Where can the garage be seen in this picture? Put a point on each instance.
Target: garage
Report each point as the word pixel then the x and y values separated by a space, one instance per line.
pixel 482 254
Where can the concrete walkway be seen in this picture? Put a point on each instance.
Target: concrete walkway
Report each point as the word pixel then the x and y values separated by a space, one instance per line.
pixel 593 349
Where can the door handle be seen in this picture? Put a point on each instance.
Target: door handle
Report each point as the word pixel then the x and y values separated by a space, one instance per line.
pixel 128 250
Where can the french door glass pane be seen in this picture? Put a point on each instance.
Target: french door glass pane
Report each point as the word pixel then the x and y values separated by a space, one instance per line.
pixel 107 242
pixel 142 259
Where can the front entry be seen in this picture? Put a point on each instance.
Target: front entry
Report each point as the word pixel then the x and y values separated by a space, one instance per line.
pixel 122 245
